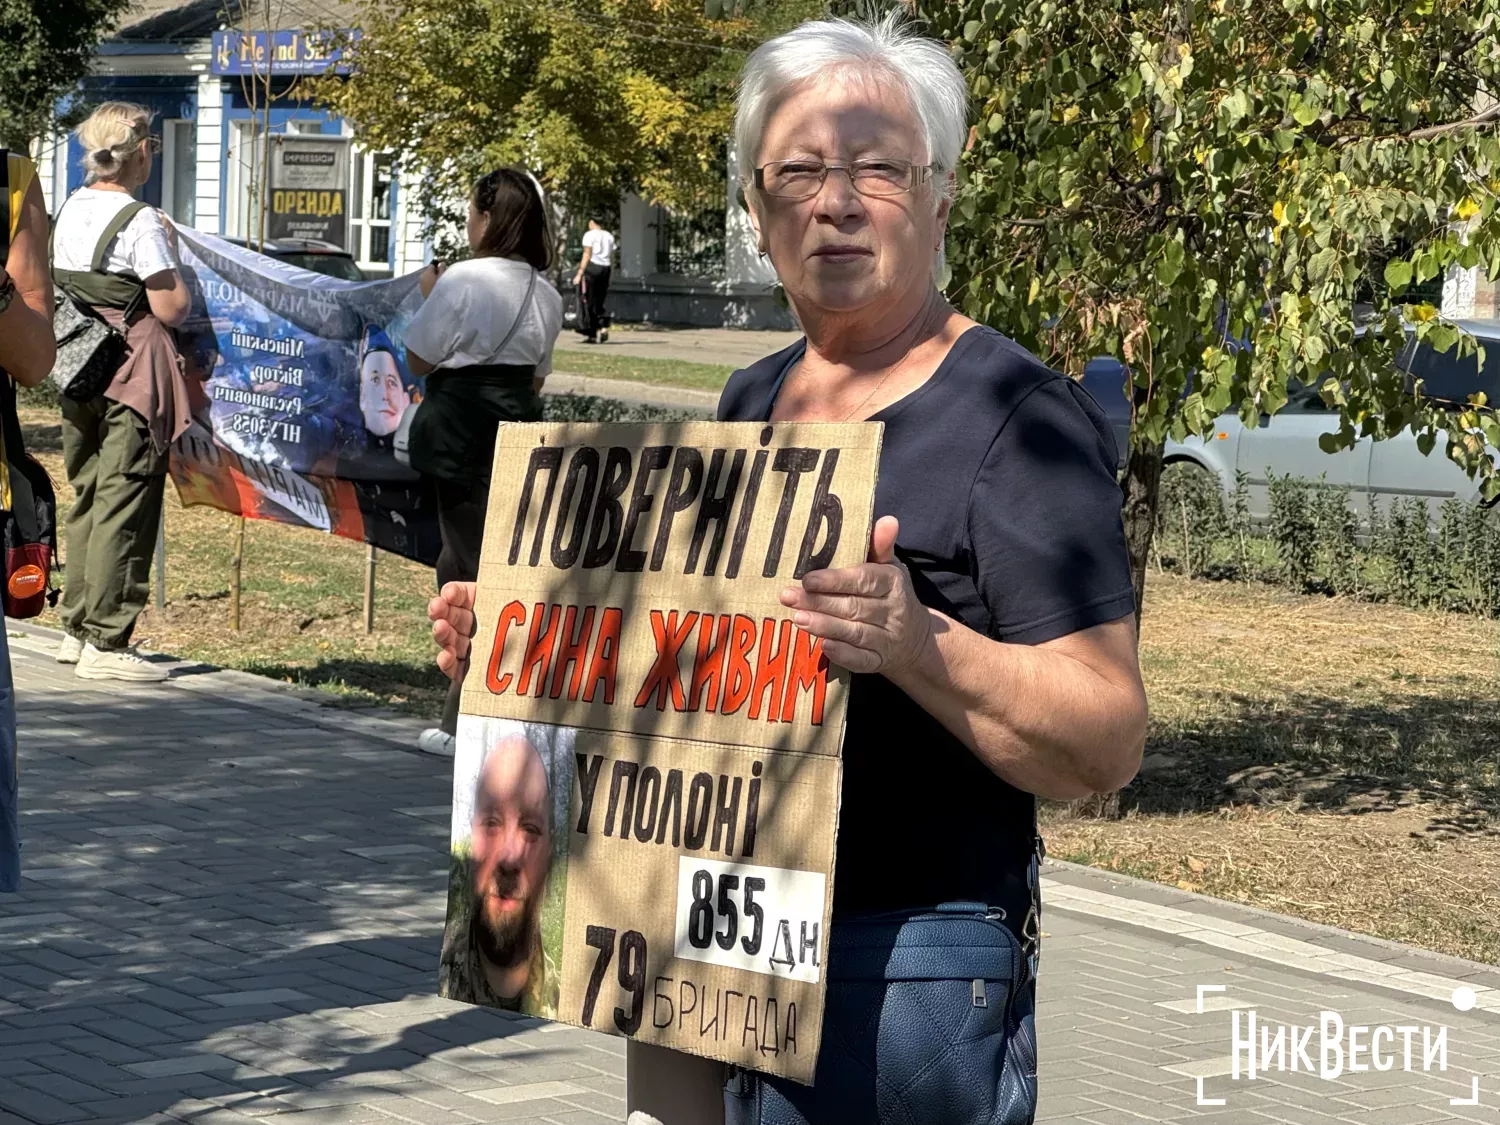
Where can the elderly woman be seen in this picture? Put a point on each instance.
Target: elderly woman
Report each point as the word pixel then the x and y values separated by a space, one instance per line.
pixel 991 632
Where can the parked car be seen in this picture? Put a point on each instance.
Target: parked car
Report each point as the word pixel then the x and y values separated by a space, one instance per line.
pixel 1104 378
pixel 1287 444
pixel 311 254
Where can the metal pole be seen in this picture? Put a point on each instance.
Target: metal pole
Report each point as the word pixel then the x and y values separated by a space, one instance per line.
pixel 236 565
pixel 161 561
pixel 370 590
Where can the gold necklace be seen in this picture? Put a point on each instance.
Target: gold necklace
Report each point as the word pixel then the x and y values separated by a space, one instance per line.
pixel 889 371
pixel 866 400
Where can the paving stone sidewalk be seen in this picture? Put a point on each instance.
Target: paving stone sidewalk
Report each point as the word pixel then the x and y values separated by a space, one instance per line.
pixel 233 901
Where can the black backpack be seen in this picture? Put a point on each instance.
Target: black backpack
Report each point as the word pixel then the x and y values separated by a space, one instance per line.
pixel 28 523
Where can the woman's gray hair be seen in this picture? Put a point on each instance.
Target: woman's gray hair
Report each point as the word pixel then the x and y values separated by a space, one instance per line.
pixel 888 48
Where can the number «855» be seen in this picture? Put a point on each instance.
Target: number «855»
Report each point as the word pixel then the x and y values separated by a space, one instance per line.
pixel 701 914
pixel 744 916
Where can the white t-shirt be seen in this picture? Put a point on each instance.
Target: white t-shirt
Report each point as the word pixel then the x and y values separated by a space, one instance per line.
pixel 140 249
pixel 471 309
pixel 602 243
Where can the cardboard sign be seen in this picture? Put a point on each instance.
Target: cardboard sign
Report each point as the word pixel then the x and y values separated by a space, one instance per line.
pixel 646 785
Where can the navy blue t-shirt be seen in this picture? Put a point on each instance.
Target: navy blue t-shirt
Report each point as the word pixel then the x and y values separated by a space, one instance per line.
pixel 1002 474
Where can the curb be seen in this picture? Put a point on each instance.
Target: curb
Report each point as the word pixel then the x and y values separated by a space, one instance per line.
pixel 372 720
pixel 1333 938
pixel 628 390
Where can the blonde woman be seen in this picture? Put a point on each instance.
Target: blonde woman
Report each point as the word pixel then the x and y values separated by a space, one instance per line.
pixel 117 257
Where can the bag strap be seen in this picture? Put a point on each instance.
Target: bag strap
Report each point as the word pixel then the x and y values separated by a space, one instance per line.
pixel 4 205
pixel 7 387
pixel 112 229
pixel 525 304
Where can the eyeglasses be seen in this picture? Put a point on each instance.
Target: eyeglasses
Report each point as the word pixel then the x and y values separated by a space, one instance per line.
pixel 803 179
pixel 153 144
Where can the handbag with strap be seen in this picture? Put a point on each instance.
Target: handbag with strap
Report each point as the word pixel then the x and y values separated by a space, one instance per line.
pixel 928 1019
pixel 28 506
pixel 402 442
pixel 89 349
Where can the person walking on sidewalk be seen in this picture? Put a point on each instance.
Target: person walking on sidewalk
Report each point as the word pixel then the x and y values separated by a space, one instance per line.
pixel 991 634
pixel 27 352
pixel 483 339
pixel 592 281
pixel 117 257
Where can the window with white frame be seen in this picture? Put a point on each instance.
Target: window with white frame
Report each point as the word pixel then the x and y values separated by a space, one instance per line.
pixel 179 170
pixel 244 173
pixel 242 178
pixel 373 195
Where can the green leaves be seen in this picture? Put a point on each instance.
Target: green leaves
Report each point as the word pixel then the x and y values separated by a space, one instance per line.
pixel 48 48
pixel 1397 275
pixel 1258 192
pixel 1235 107
pixel 596 97
pixel 1169 266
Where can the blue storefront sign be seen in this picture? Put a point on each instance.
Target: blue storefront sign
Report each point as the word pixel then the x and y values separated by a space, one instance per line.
pixel 280 52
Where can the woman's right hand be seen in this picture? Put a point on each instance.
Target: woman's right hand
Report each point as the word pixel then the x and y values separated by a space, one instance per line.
pixel 452 615
pixel 429 278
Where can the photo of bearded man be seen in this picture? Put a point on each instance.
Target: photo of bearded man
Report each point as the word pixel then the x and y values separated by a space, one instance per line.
pixel 494 950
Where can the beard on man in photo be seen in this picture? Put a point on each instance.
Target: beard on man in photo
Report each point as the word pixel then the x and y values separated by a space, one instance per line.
pixel 494 956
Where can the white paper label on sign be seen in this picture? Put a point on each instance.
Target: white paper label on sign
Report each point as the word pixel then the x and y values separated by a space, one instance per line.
pixel 764 919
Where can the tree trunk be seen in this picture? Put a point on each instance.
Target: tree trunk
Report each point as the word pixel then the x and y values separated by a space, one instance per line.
pixel 1142 482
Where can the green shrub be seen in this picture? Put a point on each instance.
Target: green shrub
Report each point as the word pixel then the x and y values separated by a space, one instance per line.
pixel 592 408
pixel 1190 518
pixel 1240 527
pixel 44 394
pixel 1294 530
pixel 1337 538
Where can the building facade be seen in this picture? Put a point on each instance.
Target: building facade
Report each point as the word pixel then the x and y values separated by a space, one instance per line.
pixel 207 85
pixel 702 273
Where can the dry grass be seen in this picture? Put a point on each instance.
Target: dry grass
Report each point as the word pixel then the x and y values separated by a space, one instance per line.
pixel 1330 759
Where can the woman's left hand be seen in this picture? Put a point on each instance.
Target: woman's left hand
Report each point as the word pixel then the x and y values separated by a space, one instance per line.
pixel 868 615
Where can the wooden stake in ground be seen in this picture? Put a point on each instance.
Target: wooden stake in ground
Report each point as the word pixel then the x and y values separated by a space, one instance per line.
pixel 161 561
pixel 370 590
pixel 235 567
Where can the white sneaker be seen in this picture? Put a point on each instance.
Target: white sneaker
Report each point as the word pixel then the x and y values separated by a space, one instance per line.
pixel 70 649
pixel 437 742
pixel 117 664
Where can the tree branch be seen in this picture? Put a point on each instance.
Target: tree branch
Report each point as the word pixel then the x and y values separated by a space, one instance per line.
pixel 1479 120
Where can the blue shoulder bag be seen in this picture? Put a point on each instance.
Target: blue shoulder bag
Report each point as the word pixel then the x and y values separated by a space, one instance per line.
pixel 929 1020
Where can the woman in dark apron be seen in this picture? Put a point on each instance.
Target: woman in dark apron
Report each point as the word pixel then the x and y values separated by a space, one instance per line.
pixel 117 257
pixel 484 341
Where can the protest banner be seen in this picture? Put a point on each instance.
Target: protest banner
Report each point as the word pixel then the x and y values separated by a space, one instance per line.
pixel 300 382
pixel 647 774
